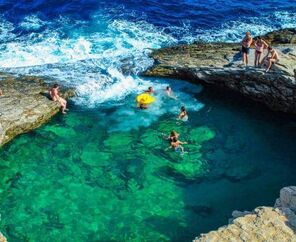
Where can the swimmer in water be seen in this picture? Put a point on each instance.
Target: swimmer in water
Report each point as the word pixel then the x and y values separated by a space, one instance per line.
pixel 177 145
pixel 150 90
pixel 183 114
pixel 170 93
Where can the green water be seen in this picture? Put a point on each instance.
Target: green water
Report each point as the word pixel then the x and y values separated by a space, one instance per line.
pixel 86 176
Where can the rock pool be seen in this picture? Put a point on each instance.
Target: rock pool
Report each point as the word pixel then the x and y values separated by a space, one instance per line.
pixel 102 174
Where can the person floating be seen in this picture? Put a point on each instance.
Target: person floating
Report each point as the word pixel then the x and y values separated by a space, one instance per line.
pixel 55 96
pixel 144 99
pixel 272 57
pixel 183 114
pixel 246 44
pixel 177 145
pixel 170 93
pixel 260 45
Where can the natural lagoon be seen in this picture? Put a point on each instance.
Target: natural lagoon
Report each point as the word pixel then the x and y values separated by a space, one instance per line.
pixel 102 174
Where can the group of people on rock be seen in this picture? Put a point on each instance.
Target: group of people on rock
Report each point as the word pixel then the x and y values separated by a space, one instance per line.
pixel 271 57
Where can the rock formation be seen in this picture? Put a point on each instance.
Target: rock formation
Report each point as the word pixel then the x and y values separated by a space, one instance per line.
pixel 276 224
pixel 24 105
pixel 219 64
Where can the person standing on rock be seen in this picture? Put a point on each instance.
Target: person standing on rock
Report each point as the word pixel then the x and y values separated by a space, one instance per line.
pixel 260 45
pixel 55 96
pixel 246 44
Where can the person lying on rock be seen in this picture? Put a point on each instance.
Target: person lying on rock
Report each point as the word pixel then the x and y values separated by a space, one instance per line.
pixel 260 45
pixel 272 57
pixel 246 44
pixel 55 96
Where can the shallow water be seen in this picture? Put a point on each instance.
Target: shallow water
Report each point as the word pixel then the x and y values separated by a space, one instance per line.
pixel 89 176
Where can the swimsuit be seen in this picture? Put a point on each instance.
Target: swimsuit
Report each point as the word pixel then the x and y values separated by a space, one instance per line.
pixel 259 48
pixel 245 49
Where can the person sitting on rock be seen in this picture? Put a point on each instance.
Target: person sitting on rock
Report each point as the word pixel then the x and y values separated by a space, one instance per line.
pixel 246 44
pixel 55 96
pixel 272 57
pixel 260 45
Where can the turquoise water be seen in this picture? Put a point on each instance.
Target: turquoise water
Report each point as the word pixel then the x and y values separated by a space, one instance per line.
pixel 102 174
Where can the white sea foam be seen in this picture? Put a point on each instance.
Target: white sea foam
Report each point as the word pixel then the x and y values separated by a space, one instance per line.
pixel 91 56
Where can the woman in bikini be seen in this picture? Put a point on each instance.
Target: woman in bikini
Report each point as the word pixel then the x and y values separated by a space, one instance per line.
pixel 260 45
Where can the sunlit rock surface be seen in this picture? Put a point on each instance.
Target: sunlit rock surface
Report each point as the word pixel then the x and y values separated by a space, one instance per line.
pixel 24 105
pixel 276 224
pixel 219 64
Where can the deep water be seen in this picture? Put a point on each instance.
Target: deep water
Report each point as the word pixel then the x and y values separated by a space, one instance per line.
pixel 101 173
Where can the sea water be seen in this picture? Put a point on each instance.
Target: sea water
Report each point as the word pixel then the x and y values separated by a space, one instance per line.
pixel 103 172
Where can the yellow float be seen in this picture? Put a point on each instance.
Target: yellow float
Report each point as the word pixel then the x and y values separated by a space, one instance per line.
pixel 145 99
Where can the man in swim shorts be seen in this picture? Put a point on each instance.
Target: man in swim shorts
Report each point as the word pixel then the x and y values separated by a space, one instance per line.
pixel 246 45
pixel 55 96
pixel 272 59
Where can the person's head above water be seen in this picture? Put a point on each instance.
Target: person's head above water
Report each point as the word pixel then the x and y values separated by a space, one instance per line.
pixel 168 88
pixel 150 89
pixel 174 133
pixel 183 109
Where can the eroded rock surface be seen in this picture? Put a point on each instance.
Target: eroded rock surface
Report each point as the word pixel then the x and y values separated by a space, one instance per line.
pixel 276 224
pixel 24 106
pixel 219 64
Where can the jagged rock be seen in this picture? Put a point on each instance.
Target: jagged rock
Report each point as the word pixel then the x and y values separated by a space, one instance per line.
pixel 24 105
pixel 218 64
pixel 262 224
pixel 287 198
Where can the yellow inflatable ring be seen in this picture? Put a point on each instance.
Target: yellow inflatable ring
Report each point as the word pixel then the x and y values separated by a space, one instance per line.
pixel 145 98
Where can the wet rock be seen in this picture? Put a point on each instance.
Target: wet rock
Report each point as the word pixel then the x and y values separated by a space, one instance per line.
pixel 24 105
pixel 287 198
pixel 218 64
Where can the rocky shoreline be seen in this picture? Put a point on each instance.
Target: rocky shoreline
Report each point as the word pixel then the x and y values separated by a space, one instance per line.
pixel 218 64
pixel 24 105
pixel 276 224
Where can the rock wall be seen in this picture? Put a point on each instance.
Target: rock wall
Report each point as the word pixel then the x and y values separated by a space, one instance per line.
pixel 219 64
pixel 24 105
pixel 274 224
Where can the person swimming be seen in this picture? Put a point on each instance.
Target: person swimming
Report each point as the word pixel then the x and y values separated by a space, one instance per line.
pixel 177 145
pixel 170 93
pixel 150 90
pixel 173 135
pixel 183 114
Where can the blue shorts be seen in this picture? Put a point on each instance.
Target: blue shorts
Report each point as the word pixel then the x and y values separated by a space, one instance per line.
pixel 245 50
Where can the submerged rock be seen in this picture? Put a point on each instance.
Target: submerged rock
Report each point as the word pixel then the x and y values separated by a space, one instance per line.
pixel 218 64
pixel 262 224
pixel 24 105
